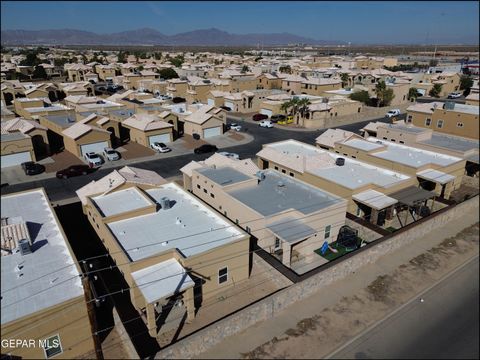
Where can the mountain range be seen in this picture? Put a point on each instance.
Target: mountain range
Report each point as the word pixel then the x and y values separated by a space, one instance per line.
pixel 147 36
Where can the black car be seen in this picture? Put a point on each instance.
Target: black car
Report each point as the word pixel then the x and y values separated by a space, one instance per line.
pixel 276 118
pixel 74 170
pixel 32 168
pixel 177 100
pixel 205 149
pixel 225 108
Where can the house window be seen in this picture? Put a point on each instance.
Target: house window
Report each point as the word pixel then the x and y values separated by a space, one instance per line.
pixel 284 171
pixel 402 142
pixel 384 138
pixel 439 124
pixel 205 191
pixel 327 231
pixel 52 346
pixel 222 275
pixel 459 124
pixel 277 243
pixel 393 140
pixel 248 230
pixel 292 174
pixel 428 121
pixel 225 213
pixel 220 207
pixel 353 156
pixel 212 195
pixel 198 186
pixel 276 167
pixel 409 118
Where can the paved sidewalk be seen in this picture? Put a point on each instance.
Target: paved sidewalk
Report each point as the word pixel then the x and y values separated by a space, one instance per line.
pixel 259 334
pixel 15 175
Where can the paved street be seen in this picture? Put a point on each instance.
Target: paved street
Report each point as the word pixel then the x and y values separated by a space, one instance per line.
pixel 63 189
pixel 444 326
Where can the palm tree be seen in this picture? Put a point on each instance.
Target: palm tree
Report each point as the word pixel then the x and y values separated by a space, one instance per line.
pixel 303 106
pixel 286 106
pixel 344 77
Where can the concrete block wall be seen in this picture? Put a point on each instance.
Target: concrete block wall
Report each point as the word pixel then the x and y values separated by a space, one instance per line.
pixel 268 307
pixel 365 233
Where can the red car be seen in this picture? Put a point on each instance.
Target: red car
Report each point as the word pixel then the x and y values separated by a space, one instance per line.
pixel 74 170
pixel 259 117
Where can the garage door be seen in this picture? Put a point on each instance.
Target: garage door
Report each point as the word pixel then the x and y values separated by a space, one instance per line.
pixel 93 147
pixel 15 159
pixel 211 102
pixel 266 112
pixel 230 105
pixel 215 131
pixel 163 138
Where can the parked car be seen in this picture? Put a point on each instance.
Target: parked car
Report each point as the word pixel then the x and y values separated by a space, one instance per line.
pixel 225 108
pixel 235 126
pixel 32 168
pixel 455 95
pixel 110 154
pixel 287 120
pixel 93 158
pixel 178 99
pixel 74 170
pixel 393 112
pixel 259 117
pixel 266 124
pixel 277 117
pixel 165 97
pixel 206 148
pixel 160 147
pixel 229 155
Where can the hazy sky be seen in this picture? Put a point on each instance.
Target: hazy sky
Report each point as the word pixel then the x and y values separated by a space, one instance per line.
pixel 357 22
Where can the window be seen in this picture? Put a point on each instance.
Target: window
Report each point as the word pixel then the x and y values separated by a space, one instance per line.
pixel 205 191
pixel 276 167
pixel 459 124
pixel 225 213
pixel 327 231
pixel 284 171
pixel 292 174
pixel 52 346
pixel 337 152
pixel 236 221
pixel 393 140
pixel 439 124
pixel 212 195
pixel 248 230
pixel 428 122
pixel 222 275
pixel 277 243
pixel 198 186
pixel 353 156
pixel 402 142
pixel 384 138
pixel 409 118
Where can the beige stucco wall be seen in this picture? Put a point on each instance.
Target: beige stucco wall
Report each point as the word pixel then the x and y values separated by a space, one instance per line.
pixel 17 146
pixel 73 146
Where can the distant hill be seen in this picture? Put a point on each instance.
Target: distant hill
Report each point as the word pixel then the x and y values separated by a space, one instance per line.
pixel 146 36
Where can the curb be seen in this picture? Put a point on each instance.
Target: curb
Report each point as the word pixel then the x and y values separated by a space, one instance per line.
pixel 397 310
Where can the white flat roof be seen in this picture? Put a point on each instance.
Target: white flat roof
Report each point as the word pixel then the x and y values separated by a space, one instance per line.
pixel 120 201
pixel 49 275
pixel 290 147
pixel 189 226
pixel 362 144
pixel 374 199
pixel 436 176
pixel 162 280
pixel 413 157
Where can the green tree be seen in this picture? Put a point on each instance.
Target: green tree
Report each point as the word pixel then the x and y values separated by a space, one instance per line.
pixel 435 90
pixel 285 69
pixel 433 63
pixel 303 106
pixel 140 68
pixel 31 59
pixel 157 56
pixel 412 93
pixel 177 61
pixel 466 82
pixel 286 106
pixel 258 58
pixel 344 77
pixel 168 74
pixel 384 95
pixel 244 69
pixel 39 73
pixel 361 96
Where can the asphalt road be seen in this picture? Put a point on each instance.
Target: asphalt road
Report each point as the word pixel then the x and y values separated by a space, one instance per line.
pixel 444 326
pixel 58 190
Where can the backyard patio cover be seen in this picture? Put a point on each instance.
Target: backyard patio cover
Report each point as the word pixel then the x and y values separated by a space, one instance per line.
pixel 291 230
pixel 412 195
pixel 162 280
pixel 436 176
pixel 374 199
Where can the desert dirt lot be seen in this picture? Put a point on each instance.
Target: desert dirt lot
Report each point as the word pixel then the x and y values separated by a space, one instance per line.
pixel 317 336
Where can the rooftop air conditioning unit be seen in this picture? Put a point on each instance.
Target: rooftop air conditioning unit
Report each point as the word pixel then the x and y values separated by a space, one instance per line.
pixel 24 246
pixel 165 203
pixel 340 161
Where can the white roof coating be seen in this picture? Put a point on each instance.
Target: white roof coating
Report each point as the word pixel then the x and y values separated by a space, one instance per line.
pixel 120 201
pixel 413 157
pixel 355 174
pixel 374 199
pixel 162 280
pixel 288 147
pixel 363 145
pixel 188 226
pixel 278 193
pixel 436 176
pixel 48 276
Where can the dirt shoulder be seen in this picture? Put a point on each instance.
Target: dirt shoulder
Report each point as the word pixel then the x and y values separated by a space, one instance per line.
pixel 317 336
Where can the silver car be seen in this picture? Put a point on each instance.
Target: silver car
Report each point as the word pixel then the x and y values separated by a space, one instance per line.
pixel 110 154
